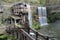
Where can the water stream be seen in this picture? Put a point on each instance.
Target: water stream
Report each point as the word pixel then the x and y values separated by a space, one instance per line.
pixel 42 16
pixel 29 15
pixel 52 30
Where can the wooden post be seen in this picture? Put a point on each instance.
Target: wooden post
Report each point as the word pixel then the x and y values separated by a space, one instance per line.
pixel 15 21
pixel 47 38
pixel 36 36
pixel 11 20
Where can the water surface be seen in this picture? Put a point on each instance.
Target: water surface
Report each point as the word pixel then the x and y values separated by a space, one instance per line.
pixel 53 29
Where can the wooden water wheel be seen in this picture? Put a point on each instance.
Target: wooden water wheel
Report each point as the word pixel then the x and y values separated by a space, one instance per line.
pixel 20 10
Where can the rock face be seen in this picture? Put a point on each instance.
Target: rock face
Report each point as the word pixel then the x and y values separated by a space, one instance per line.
pixel 1 8
pixel 2 30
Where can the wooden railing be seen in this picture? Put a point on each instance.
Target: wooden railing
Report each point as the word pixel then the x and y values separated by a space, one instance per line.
pixel 39 36
pixel 26 36
pixel 22 34
pixel 43 37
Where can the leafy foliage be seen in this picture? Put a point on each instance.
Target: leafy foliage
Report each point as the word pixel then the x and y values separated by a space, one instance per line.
pixel 36 25
pixel 53 17
pixel 29 1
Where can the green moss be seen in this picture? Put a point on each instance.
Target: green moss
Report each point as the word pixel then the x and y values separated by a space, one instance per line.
pixel 36 25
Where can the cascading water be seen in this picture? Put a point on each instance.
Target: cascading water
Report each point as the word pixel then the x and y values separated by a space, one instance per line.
pixel 42 16
pixel 29 15
pixel 30 19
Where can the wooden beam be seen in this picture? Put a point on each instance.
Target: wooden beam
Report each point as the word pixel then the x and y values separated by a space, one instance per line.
pixel 27 35
pixel 15 17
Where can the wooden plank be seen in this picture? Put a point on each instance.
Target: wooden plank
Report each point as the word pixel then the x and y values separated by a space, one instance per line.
pixel 38 34
pixel 15 17
pixel 27 35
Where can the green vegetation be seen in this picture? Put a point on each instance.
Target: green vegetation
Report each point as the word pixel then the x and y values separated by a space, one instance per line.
pixel 36 25
pixel 27 1
pixel 10 37
pixel 0 19
pixel 3 37
pixel 57 15
pixel 53 17
pixel 7 37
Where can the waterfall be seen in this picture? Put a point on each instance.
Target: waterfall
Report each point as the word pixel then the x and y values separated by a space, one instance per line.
pixel 42 16
pixel 29 15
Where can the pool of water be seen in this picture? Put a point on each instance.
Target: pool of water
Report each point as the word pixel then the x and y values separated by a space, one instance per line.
pixel 53 29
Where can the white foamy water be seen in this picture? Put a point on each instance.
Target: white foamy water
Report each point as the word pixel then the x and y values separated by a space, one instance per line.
pixel 43 21
pixel 42 16
pixel 29 15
